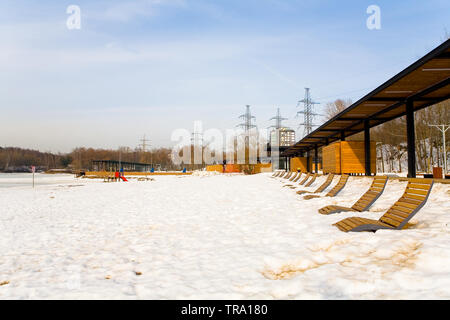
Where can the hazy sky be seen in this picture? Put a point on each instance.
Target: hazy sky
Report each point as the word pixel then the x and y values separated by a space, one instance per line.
pixel 151 66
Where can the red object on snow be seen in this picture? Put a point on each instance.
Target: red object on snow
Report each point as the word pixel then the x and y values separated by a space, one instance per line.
pixel 123 178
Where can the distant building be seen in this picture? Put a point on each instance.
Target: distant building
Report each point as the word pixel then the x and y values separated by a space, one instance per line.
pixel 283 137
pixel 280 140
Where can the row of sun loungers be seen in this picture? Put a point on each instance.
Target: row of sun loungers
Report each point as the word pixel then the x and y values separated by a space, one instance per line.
pixel 414 198
pixel 333 192
pixel 321 188
pixel 397 217
pixel 365 202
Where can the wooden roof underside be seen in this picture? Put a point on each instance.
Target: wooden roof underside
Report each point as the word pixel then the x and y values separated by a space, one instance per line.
pixel 426 82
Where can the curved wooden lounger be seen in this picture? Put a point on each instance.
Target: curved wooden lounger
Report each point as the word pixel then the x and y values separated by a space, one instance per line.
pixel 281 174
pixel 304 180
pixel 301 182
pixel 310 182
pixel 293 176
pixel 294 180
pixel 298 177
pixel 365 202
pixel 333 192
pixel 415 196
pixel 322 187
pixel 288 175
pixel 276 174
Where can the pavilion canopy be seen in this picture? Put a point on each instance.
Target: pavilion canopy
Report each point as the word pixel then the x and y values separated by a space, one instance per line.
pixel 424 83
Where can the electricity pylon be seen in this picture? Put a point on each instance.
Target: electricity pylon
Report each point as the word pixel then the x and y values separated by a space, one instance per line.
pixel 307 113
pixel 278 120
pixel 144 144
pixel 247 125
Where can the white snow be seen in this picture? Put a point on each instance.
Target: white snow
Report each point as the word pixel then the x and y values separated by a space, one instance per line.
pixel 212 236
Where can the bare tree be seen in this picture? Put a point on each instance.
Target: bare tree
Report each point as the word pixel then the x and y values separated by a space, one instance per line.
pixel 337 106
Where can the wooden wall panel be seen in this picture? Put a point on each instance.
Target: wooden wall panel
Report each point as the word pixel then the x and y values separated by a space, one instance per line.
pixel 331 158
pixel 300 163
pixel 347 157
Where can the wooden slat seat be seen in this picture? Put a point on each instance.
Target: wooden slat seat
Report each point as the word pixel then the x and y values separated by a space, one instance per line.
pixel 294 181
pixel 366 200
pixel 310 182
pixel 282 174
pixel 398 215
pixel 333 192
pixel 322 187
pixel 277 174
pixel 298 177
pixel 290 179
pixel 293 176
pixel 288 175
pixel 304 180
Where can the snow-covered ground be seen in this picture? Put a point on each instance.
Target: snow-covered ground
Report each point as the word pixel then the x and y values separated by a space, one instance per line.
pixel 10 180
pixel 214 237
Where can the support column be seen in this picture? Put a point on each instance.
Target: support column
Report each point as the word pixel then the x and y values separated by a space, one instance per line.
pixel 342 135
pixel 411 139
pixel 316 158
pixel 367 147
pixel 308 165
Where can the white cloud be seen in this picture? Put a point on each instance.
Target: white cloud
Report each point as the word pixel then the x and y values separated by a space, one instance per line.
pixel 126 11
pixel 19 55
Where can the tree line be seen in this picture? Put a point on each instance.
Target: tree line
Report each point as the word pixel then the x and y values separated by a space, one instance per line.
pixel 20 160
pixel 14 159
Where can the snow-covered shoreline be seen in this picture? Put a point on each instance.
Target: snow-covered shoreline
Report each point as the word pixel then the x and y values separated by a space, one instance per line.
pixel 214 237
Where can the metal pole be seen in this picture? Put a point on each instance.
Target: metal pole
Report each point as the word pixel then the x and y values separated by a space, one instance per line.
pixel 411 139
pixel 316 158
pixel 367 147
pixel 445 150
pixel 308 164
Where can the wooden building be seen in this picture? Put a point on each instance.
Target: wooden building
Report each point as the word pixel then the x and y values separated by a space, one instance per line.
pixel 348 157
pixel 424 83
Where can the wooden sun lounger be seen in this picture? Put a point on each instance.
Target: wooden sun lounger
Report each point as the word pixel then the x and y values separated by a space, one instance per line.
pixel 322 187
pixel 304 180
pixel 276 174
pixel 288 175
pixel 310 182
pixel 365 202
pixel 301 182
pixel 298 177
pixel 293 176
pixel 279 174
pixel 284 174
pixel 414 198
pixel 333 192
pixel 299 174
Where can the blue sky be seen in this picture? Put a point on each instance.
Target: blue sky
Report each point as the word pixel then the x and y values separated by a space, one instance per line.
pixel 151 66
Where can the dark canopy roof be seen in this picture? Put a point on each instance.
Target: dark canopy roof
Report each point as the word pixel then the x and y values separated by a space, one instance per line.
pixel 425 82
